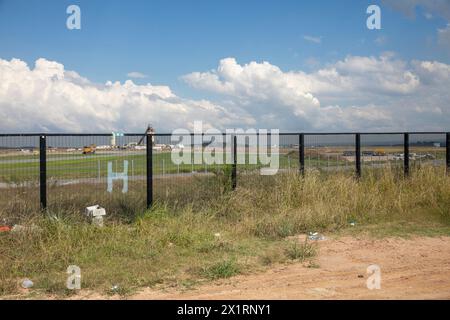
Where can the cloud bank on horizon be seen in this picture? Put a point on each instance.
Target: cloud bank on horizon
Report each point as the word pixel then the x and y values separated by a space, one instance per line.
pixel 357 93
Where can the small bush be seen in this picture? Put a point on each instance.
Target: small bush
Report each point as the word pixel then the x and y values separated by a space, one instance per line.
pixel 222 269
pixel 297 251
pixel 271 256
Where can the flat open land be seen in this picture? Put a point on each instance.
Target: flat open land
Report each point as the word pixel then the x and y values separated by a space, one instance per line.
pixel 414 268
pixel 204 241
pixel 417 268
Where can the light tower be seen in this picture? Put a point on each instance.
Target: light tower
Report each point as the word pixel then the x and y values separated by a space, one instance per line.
pixel 113 140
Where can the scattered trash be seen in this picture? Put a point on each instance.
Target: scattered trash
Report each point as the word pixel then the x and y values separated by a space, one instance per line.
pixel 170 244
pixel 217 235
pixel 352 223
pixel 27 284
pixel 5 228
pixel 17 228
pixel 96 213
pixel 315 236
pixel 115 288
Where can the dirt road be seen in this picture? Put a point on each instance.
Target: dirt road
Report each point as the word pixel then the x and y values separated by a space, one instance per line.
pixel 417 268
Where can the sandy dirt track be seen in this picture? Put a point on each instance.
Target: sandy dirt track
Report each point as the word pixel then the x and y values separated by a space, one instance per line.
pixel 417 268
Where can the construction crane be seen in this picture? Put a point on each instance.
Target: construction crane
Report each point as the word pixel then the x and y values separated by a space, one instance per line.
pixel 149 130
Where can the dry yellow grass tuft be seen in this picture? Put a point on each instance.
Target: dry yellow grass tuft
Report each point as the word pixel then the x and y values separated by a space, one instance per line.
pixel 235 233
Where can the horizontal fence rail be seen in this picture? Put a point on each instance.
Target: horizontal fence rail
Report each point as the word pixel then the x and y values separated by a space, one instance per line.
pixel 138 168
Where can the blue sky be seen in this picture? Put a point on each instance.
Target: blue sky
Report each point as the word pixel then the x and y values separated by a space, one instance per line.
pixel 168 39
pixel 165 39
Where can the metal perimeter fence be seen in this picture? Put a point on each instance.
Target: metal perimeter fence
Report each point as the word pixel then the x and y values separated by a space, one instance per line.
pixel 132 171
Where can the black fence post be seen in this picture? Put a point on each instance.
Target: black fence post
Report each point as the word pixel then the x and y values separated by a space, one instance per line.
pixel 149 170
pixel 301 153
pixel 406 154
pixel 234 169
pixel 447 152
pixel 358 154
pixel 192 152
pixel 43 170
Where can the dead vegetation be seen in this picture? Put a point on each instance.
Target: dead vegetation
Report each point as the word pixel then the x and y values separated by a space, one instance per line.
pixel 207 232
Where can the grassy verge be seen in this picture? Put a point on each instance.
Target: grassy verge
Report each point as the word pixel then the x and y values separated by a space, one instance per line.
pixel 234 233
pixel 160 247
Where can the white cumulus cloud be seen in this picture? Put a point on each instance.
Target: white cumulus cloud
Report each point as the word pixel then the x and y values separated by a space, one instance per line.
pixel 49 98
pixel 364 93
pixel 356 93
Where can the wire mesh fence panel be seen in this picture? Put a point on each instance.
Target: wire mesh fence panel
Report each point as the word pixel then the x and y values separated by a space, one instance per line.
pixel 260 158
pixel 427 150
pixel 330 153
pixel 90 170
pixel 111 170
pixel 289 155
pixel 382 151
pixel 19 176
pixel 187 170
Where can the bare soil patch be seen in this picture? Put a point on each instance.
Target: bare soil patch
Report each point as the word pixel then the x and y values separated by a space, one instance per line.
pixel 417 268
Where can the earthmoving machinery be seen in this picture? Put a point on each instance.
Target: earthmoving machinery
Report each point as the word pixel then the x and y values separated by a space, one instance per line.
pixel 89 149
pixel 380 152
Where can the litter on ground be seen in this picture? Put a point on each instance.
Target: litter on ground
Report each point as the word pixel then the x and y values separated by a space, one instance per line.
pixel 315 236
pixel 17 228
pixel 27 284
pixel 115 288
pixel 5 228
pixel 96 213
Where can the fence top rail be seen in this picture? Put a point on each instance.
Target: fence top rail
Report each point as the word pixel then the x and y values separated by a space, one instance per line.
pixel 223 133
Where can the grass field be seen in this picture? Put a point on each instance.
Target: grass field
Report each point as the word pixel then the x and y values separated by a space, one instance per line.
pixel 17 168
pixel 75 181
pixel 217 233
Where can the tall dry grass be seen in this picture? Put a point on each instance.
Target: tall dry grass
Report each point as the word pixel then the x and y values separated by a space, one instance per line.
pixel 179 244
pixel 287 204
